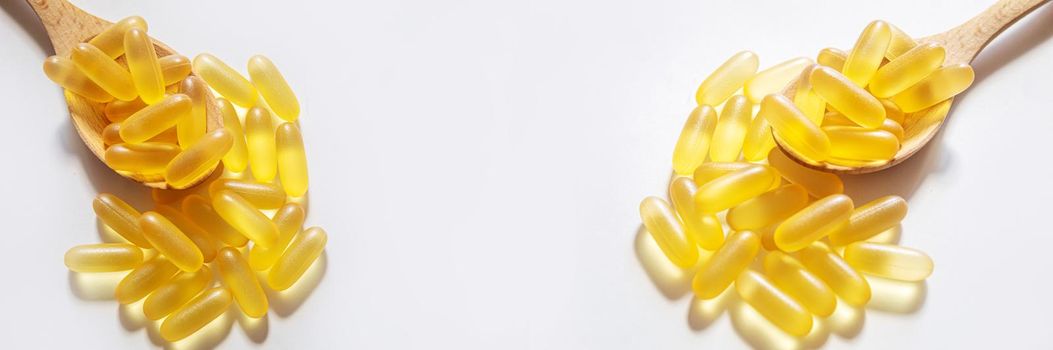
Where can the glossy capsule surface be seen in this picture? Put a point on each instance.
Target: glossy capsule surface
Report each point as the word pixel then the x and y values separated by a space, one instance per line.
pixel 907 70
pixel 292 161
pixel 813 222
pixel 863 61
pixel 856 143
pixel 176 292
pixel 273 87
pixel 717 273
pixel 111 40
pixel 262 195
pixel 103 257
pixel 200 211
pixel 806 99
pixel 664 227
pixel 899 43
pixel 259 136
pixel 174 68
pixel 704 229
pixel 191 127
pixel 889 261
pixel 844 280
pixel 289 220
pixel 892 111
pixel 104 71
pixel 758 140
pixel 196 314
pixel 733 188
pixel 225 80
pixel 143 65
pixel 730 131
pixel 198 160
pixel 799 132
pixel 693 145
pixel 819 184
pixel 301 253
pixel 117 111
pixel 155 119
pixel 64 72
pixel 767 209
pixel 774 304
pixel 774 79
pixel 849 99
pixel 832 57
pixel 120 217
pixel 147 157
pixel 787 274
pixel 144 279
pixel 205 242
pixel 245 218
pixel 170 241
pixel 728 78
pixel 942 84
pixel 712 170
pixel 871 219
pixel 236 274
pixel 237 159
pixel 890 125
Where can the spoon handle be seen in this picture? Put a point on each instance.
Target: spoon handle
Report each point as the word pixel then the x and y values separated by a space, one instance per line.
pixel 965 41
pixel 66 24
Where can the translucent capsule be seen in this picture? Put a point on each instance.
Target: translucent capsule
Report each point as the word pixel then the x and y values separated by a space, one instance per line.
pixel 204 241
pixel 836 273
pixel 906 70
pixel 693 144
pixel 147 157
pixel 774 79
pixel 103 257
pixel 198 160
pixel 832 57
pixel 893 127
pixel 111 40
pixel 758 140
pixel 192 126
pixel 847 98
pixel 728 78
pixel 120 217
pixel 806 99
pixel 704 229
pixel 301 253
pixel 791 277
pixel 774 304
pixel 143 64
pixel 198 209
pixel 259 135
pixel 942 84
pixel 795 128
pixel 871 219
pixel 177 292
pixel 260 194
pixel 867 54
pixel 892 111
pixel 111 134
pixel 819 184
pixel 271 84
pixel 813 222
pixel 712 170
pixel 767 209
pixel 144 279
pixel 64 72
pixel 717 273
pixel 662 223
pixel 104 71
pixel 292 162
pixel 155 119
pixel 170 241
pixel 899 43
pixel 117 111
pixel 730 130
pixel 733 188
pixel 196 314
pixel 225 80
pixel 889 261
pixel 236 274
pixel 236 159
pixel 174 68
pixel 289 220
pixel 241 215
pixel 856 143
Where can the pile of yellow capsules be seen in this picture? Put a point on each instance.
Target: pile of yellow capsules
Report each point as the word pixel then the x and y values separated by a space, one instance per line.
pixel 810 239
pixel 157 110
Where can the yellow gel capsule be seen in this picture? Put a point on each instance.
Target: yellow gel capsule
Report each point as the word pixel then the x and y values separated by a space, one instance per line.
pixel 849 99
pixel 236 274
pixel 177 292
pixel 147 157
pixel 892 111
pixel 787 274
pixel 819 184
pixel 191 127
pixel 170 241
pixel 906 70
pixel 813 222
pixel 64 72
pixel 196 314
pixel 693 144
pixel 774 79
pixel 942 84
pixel 893 127
pixel 712 170
pixel 225 80
pixel 837 120
pixel 795 128
pixel 198 209
pixel 832 57
pixel 806 99
pixel 111 40
pixel 301 253
pixel 144 279
pixel 245 218
pixel 117 110
pixel 204 242
pixel 292 162
pixel 120 217
pixel 259 135
pixel 143 64
pixel 662 223
pixel 899 43
pixel 111 134
pixel 198 160
pixel 289 220
pixel 889 261
pixel 836 273
pixel 103 257
pixel 174 68
pixel 758 140
pixel 704 229
pixel 856 143
pixel 717 273
pixel 730 130
pixel 155 119
pixel 260 194
pixel 104 71
pixel 769 208
pixel 237 159
pixel 728 78
pixel 774 304
pixel 733 188
pixel 867 54
pixel 275 90
pixel 871 219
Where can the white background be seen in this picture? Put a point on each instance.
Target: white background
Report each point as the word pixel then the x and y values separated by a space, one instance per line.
pixel 478 166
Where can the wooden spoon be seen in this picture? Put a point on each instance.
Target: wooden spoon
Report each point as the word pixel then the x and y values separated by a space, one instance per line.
pixel 962 43
pixel 68 26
